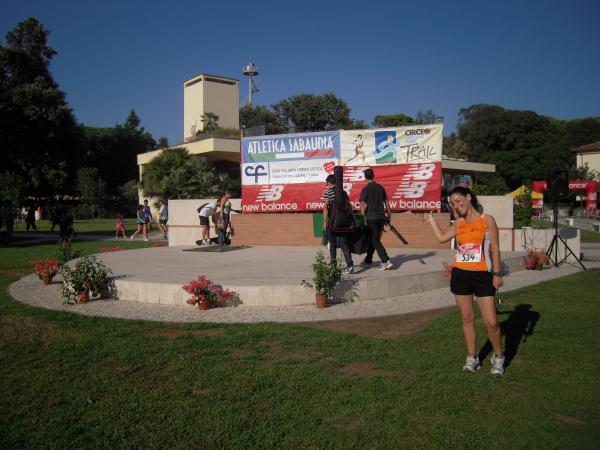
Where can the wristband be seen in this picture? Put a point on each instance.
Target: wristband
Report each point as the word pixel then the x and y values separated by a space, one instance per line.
pixel 497 274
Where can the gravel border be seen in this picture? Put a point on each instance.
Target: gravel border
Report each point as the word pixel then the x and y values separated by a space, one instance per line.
pixel 31 291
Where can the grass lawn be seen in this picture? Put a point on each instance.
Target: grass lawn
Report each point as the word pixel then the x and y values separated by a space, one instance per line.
pixel 585 235
pixel 70 381
pixel 95 226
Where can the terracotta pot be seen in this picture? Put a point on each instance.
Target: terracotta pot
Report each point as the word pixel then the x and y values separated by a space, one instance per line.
pixel 83 297
pixel 321 300
pixel 47 280
pixel 203 305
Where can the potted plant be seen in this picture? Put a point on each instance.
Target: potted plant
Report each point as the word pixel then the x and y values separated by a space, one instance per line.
pixel 536 259
pixel 87 276
pixel 207 294
pixel 46 269
pixel 326 276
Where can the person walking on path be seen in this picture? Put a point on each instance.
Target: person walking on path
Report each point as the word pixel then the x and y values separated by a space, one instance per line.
pixel 146 217
pixel 375 208
pixel 139 222
pixel 163 217
pixel 335 239
pixel 476 272
pixel 30 218
pixel 120 227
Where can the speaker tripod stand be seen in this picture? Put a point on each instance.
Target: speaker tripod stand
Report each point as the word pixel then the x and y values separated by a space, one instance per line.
pixel 552 251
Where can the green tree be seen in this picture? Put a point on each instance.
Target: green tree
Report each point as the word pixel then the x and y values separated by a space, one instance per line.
pixel 428 116
pixel 210 121
pixel 129 191
pixel 309 112
pixel 489 184
pixel 454 147
pixel 113 151
pixel 254 116
pixel 391 120
pixel 174 173
pixel 163 142
pixel 12 187
pixel 39 137
pixel 522 144
pixel 91 188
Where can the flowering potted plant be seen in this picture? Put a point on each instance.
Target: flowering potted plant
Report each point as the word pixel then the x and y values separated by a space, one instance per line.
pixel 45 269
pixel 326 276
pixel 536 259
pixel 87 276
pixel 205 293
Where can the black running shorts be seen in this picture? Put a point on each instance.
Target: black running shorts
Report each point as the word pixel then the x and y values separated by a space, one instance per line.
pixel 203 220
pixel 472 282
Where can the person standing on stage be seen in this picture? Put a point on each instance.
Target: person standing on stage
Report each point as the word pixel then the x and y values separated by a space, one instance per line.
pixel 476 273
pixel 375 207
pixel 335 239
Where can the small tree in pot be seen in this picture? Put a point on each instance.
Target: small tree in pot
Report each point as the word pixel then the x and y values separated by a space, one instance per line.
pixel 326 276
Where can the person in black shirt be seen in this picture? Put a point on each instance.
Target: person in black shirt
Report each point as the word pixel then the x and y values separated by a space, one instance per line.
pixel 335 239
pixel 375 207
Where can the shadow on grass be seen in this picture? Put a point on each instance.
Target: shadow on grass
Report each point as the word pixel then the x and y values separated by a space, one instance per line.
pixel 516 328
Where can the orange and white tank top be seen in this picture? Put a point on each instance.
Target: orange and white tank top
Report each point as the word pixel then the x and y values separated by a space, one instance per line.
pixel 473 245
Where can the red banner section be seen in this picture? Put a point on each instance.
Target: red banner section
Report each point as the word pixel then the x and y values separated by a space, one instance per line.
pixel 590 187
pixel 415 187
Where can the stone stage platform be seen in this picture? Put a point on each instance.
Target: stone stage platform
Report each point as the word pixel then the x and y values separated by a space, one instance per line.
pixel 272 276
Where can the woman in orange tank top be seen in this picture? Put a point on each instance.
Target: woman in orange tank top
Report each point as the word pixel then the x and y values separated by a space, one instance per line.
pixel 476 273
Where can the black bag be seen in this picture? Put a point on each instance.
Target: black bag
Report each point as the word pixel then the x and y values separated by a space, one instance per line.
pixel 200 207
pixel 341 219
pixel 359 240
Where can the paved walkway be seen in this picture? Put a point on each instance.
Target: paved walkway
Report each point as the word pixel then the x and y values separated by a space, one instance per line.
pixel 31 291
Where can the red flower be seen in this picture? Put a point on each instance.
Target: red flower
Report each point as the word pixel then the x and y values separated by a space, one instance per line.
pixel 204 290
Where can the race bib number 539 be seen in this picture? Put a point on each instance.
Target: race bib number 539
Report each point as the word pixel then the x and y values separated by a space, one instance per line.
pixel 468 253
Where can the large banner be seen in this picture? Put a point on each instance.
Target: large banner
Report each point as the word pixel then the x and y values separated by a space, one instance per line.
pixel 408 186
pixel 287 172
pixel 291 147
pixel 400 145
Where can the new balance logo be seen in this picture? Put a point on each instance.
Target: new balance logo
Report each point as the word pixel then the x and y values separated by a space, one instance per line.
pixel 409 187
pixel 270 193
pixel 353 174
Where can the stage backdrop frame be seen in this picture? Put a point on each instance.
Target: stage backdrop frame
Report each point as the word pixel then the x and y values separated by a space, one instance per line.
pixel 286 173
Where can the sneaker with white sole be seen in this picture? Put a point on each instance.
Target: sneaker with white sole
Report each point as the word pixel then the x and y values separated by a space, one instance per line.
pixel 386 265
pixel 472 364
pixel 146 240
pixel 497 364
pixel 131 238
pixel 349 270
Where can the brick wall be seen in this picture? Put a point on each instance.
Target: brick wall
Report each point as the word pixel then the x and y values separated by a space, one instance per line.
pixel 297 229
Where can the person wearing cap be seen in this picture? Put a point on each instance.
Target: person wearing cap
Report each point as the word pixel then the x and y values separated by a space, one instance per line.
pixel 375 208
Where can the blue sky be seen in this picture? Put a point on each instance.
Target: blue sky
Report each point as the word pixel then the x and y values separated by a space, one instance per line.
pixel 382 57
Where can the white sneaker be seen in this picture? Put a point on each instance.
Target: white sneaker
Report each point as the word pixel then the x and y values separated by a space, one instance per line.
pixel 146 240
pixel 472 364
pixel 386 265
pixel 349 270
pixel 497 364
pixel 131 238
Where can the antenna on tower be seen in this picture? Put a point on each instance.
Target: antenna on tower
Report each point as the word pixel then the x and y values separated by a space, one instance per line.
pixel 251 71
